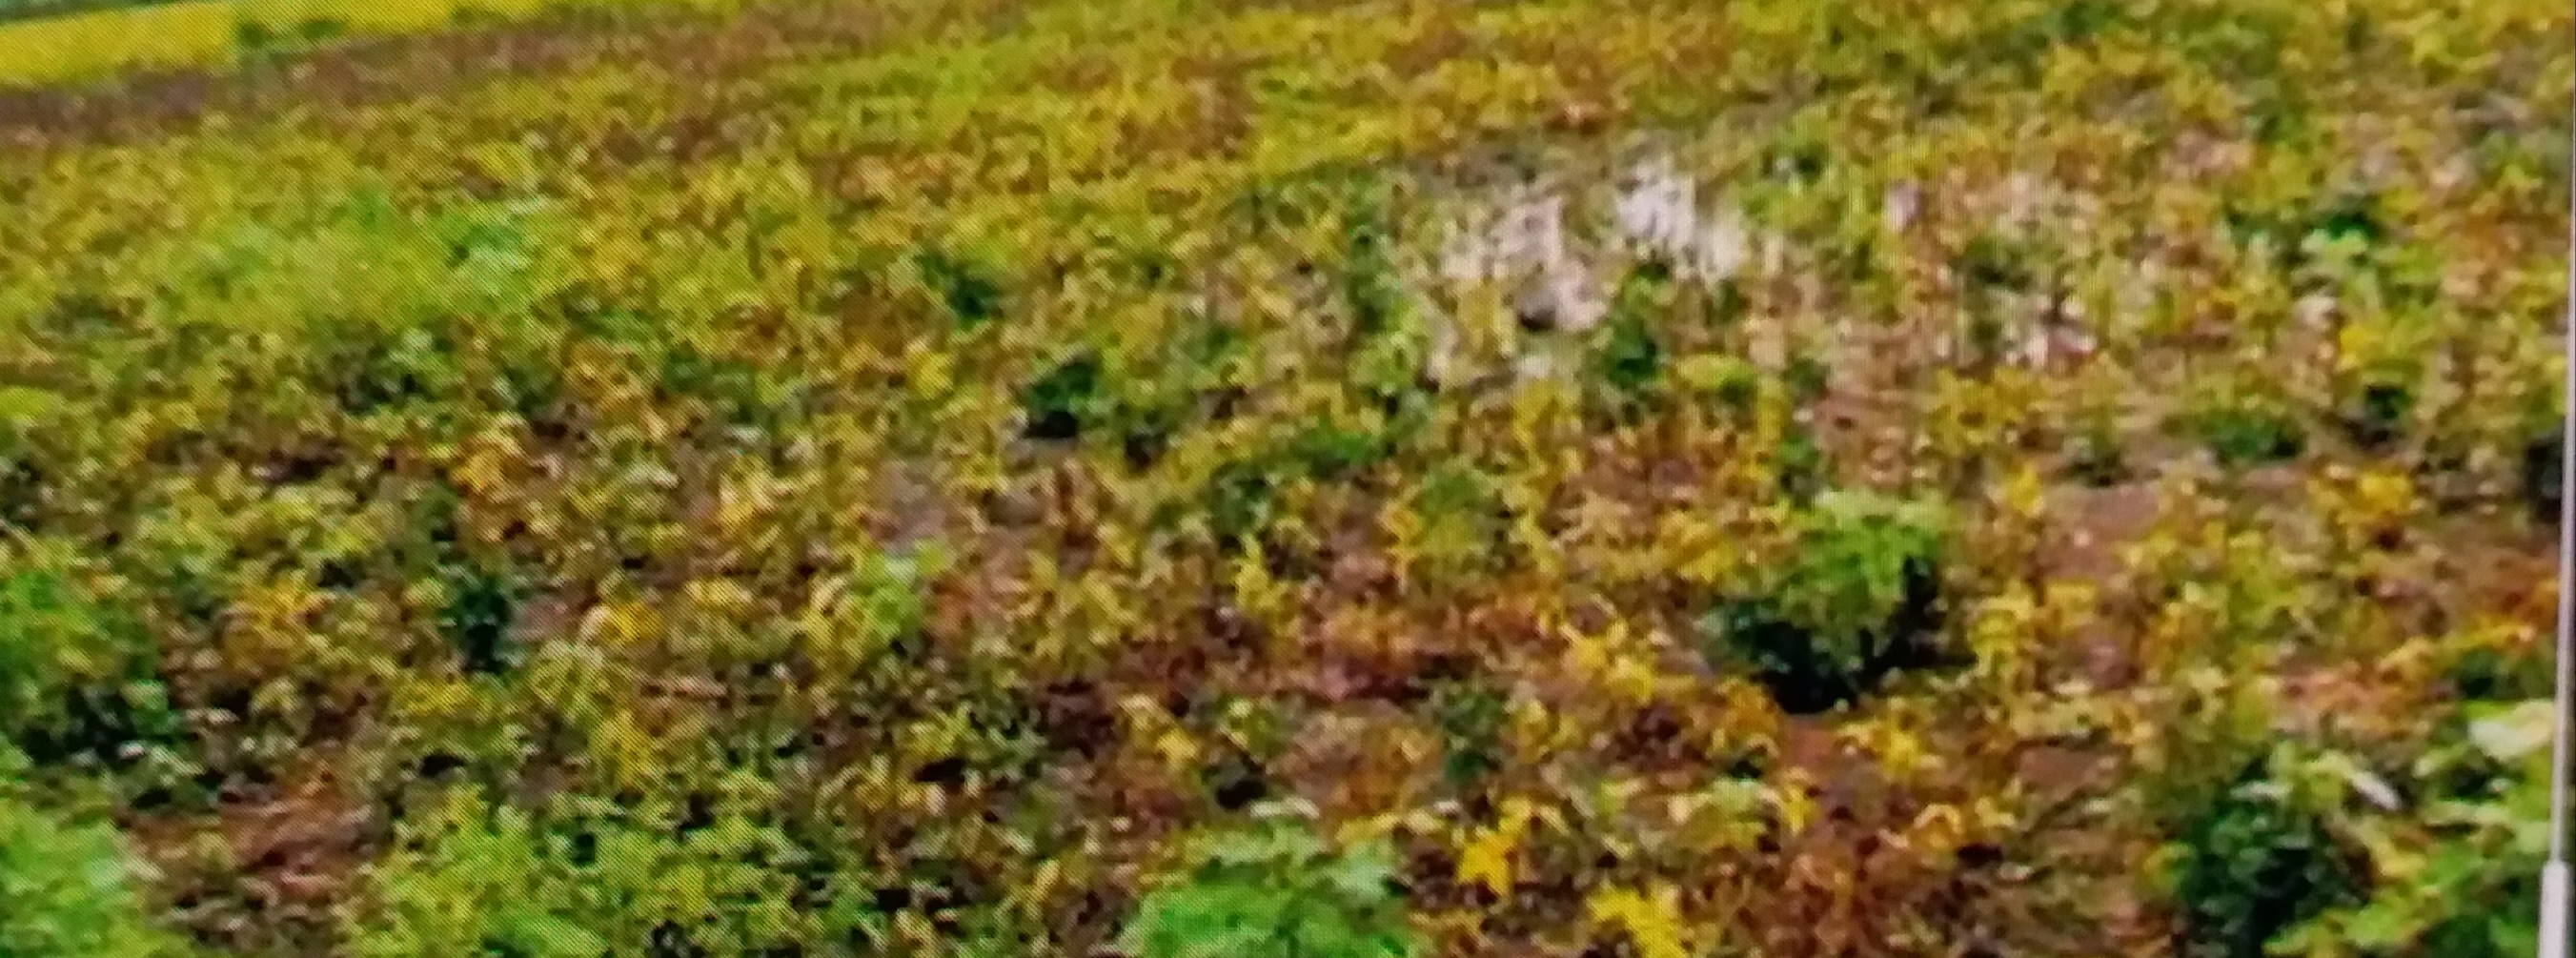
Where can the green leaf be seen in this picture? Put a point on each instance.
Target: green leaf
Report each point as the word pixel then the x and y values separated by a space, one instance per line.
pixel 24 407
pixel 1274 891
pixel 1363 875
pixel 2383 924
pixel 65 890
pixel 550 936
pixel 2512 733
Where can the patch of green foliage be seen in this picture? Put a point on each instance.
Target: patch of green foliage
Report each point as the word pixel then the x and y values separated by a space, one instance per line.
pixel 1849 605
pixel 966 287
pixel 1276 890
pixel 2094 456
pixel 2262 856
pixel 257 42
pixel 1470 717
pixel 76 679
pixel 2466 875
pixel 67 888
pixel 1628 359
pixel 1059 403
pixel 2382 359
pixel 2377 412
pixel 2247 430
pixel 476 878
pixel 1462 518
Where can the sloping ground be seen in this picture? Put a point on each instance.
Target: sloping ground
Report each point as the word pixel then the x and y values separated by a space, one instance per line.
pixel 32 9
pixel 104 41
pixel 889 479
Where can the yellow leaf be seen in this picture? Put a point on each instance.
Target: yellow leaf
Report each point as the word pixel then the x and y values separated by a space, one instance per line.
pixel 1177 747
pixel 2024 495
pixel 1794 807
pixel 1487 859
pixel 1653 922
pixel 1940 829
pixel 630 754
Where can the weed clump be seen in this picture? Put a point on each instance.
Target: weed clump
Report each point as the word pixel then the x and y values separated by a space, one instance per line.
pixel 2255 863
pixel 66 887
pixel 1279 890
pixel 1855 601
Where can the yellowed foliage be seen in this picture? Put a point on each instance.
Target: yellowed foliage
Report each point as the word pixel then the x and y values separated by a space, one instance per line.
pixel 1487 858
pixel 1651 918
pixel 204 32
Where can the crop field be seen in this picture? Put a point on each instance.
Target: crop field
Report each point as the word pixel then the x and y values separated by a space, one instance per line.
pixel 1211 478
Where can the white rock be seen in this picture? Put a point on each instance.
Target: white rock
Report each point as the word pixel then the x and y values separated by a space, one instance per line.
pixel 1897 209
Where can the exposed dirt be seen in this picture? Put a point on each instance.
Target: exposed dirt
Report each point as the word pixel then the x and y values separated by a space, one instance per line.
pixel 288 854
pixel 378 70
pixel 2089 530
